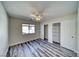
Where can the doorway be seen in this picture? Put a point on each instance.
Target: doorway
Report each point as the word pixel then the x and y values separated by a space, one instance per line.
pixel 46 32
pixel 56 33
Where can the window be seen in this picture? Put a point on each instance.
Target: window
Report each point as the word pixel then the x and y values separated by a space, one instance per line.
pixel 28 28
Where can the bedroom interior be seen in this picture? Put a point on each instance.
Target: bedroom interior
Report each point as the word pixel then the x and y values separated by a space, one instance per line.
pixel 39 29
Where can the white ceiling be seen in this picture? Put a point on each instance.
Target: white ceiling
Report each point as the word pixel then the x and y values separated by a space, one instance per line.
pixel 49 10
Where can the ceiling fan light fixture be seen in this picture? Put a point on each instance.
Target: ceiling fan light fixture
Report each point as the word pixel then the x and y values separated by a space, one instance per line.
pixel 37 17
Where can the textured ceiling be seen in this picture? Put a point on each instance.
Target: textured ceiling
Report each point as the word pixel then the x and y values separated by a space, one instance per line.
pixel 49 10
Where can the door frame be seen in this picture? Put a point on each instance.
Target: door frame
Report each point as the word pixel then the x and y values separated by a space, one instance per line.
pixel 44 30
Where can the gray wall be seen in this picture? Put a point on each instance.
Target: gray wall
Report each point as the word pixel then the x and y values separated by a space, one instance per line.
pixel 78 31
pixel 16 35
pixel 3 31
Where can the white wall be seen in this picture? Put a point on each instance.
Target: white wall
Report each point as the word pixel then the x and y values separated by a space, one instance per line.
pixel 16 35
pixel 3 31
pixel 66 36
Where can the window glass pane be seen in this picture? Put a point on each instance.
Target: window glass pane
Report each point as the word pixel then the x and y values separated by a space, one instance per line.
pixel 32 29
pixel 25 29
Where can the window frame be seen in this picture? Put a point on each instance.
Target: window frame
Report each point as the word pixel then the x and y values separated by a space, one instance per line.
pixel 28 29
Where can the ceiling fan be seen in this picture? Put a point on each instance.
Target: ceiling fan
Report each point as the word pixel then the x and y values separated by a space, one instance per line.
pixel 36 15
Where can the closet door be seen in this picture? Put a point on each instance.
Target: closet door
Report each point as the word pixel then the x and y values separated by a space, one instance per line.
pixel 56 32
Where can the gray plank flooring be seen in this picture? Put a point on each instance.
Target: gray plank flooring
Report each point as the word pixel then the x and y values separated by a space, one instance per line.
pixel 39 48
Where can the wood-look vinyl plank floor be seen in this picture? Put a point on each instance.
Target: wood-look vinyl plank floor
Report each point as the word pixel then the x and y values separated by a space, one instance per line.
pixel 39 48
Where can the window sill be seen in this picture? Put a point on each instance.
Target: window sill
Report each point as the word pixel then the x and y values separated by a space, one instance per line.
pixel 29 34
